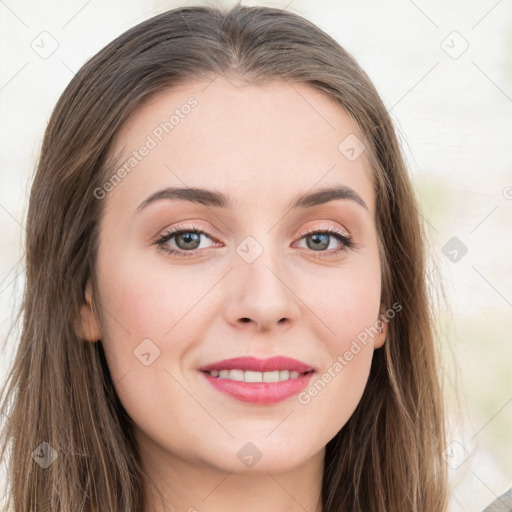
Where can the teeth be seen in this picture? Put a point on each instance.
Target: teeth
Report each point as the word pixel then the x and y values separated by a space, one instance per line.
pixel 236 375
pixel 252 376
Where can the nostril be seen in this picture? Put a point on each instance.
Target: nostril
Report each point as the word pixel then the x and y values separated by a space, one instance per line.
pixel 245 319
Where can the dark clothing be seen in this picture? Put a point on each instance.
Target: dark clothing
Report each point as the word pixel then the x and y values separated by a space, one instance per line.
pixel 501 504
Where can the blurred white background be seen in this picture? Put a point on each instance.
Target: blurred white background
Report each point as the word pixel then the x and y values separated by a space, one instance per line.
pixel 444 68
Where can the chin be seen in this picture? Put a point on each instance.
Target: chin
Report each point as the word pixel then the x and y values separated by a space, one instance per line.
pixel 260 457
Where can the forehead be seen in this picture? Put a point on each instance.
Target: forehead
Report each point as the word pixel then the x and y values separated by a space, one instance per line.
pixel 277 137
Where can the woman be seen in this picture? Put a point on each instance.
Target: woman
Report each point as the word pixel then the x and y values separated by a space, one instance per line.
pixel 226 298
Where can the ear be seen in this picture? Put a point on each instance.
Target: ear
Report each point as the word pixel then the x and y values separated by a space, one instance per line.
pixel 380 338
pixel 89 328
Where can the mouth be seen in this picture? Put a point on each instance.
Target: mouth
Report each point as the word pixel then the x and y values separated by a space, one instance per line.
pixel 254 376
pixel 259 381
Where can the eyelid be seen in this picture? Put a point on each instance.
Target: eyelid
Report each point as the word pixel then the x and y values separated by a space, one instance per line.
pixel 346 239
pixel 317 229
pixel 169 233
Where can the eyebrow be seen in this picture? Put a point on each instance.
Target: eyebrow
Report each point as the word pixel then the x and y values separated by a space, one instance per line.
pixel 220 200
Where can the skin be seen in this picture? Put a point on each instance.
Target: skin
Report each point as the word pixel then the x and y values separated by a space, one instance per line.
pixel 261 146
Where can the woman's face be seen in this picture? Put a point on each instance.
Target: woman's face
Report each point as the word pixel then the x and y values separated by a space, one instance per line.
pixel 259 277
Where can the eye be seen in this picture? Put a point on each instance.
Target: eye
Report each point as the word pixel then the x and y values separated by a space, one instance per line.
pixel 187 240
pixel 320 239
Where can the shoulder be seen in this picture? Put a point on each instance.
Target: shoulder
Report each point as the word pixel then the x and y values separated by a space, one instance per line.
pixel 501 504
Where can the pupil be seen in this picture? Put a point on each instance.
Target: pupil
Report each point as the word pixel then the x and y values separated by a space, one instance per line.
pixel 188 238
pixel 318 243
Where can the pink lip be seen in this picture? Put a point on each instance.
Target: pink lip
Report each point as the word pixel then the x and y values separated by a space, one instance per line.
pixel 264 393
pixel 259 365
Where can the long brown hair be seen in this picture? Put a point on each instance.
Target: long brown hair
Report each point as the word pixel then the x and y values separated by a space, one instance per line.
pixel 59 390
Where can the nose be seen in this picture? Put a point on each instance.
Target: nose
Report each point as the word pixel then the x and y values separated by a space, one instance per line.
pixel 261 295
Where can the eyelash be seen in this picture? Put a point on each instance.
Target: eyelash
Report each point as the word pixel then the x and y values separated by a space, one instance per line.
pixel 346 240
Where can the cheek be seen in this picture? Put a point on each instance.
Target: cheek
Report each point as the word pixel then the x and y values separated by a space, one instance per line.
pixel 151 308
pixel 350 312
pixel 350 307
pixel 357 308
pixel 147 329
pixel 149 298
pixel 348 303
pixel 335 392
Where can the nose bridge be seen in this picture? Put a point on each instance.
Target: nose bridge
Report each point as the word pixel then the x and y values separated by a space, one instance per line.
pixel 260 266
pixel 261 291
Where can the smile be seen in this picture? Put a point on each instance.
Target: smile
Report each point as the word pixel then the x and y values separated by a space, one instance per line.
pixel 259 392
pixel 254 376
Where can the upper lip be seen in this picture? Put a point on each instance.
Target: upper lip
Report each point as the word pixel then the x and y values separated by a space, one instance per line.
pixel 259 365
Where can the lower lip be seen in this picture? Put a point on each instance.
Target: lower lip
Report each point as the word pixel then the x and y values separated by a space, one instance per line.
pixel 260 392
